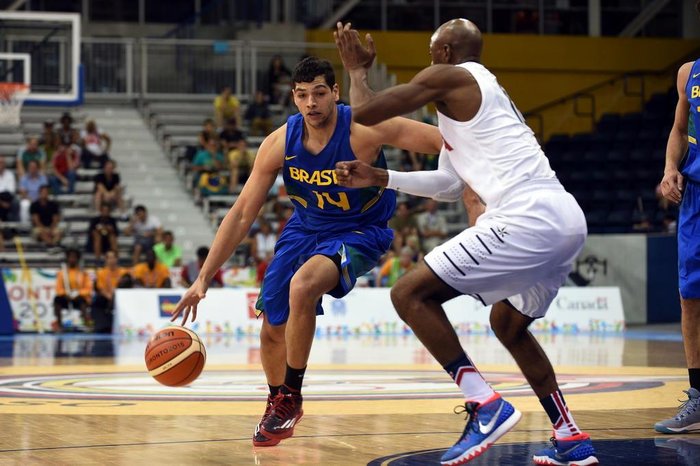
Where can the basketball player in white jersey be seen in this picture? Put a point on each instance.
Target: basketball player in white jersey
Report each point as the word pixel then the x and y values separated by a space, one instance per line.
pixel 515 257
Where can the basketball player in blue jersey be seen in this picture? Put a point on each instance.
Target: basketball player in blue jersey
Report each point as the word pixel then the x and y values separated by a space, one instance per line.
pixel 335 235
pixel 681 185
pixel 515 257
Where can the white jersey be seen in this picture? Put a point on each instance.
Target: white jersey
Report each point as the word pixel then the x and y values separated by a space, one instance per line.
pixel 495 151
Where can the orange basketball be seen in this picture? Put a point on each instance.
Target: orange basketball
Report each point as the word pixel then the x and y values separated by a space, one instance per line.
pixel 175 356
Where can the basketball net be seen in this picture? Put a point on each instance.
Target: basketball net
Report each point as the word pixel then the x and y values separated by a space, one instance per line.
pixel 12 97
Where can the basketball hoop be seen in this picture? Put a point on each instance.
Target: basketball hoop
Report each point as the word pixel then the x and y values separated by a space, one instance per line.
pixel 12 97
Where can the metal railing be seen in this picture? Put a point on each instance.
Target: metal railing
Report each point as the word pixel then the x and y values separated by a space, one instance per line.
pixel 153 68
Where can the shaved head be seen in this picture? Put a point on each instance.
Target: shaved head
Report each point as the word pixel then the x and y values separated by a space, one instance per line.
pixel 456 41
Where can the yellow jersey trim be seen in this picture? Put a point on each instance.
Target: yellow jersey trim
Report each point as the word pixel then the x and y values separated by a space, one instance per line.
pixel 692 140
pixel 372 201
pixel 300 200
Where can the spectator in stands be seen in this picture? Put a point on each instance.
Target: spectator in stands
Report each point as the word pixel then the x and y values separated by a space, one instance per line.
pixel 226 106
pixel 65 163
pixel 9 206
pixel 32 180
pixel 208 133
pixel 46 214
pixel 108 278
pixel 431 225
pixel 405 227
pixel 28 153
pixel 258 116
pixel 66 133
pixel 279 81
pixel 96 145
pixel 190 271
pixel 151 273
pixel 108 188
pixel 146 230
pixel 102 233
pixel 237 153
pixel 396 266
pixel 209 160
pixel 49 139
pixel 73 289
pixel 167 252
pixel 262 247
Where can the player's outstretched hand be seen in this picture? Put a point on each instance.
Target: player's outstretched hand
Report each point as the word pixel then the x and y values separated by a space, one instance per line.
pixel 353 54
pixel 189 301
pixel 358 174
pixel 672 186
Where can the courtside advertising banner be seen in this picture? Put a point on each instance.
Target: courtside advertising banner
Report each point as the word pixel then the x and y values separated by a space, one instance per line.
pixel 364 311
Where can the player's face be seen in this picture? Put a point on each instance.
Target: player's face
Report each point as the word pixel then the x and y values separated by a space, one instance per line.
pixel 315 101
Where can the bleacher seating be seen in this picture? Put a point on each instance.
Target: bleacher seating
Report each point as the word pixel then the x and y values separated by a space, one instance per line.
pixel 76 208
pixel 613 172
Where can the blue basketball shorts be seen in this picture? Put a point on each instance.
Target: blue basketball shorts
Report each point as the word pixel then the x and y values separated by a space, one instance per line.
pixel 689 242
pixel 356 253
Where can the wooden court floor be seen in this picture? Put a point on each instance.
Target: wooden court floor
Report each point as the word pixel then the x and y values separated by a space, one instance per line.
pixel 78 400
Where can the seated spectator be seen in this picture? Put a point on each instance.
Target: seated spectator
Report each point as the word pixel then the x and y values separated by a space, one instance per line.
pixel 49 140
pixel 190 271
pixel 45 217
pixel 151 273
pixel 65 164
pixel 237 153
pixel 405 227
pixel 108 188
pixel 108 278
pixel 102 233
pixel 431 225
pixel 96 145
pixel 395 267
pixel 29 185
pixel 73 289
pixel 9 206
pixel 146 230
pixel 226 106
pixel 28 153
pixel 209 161
pixel 263 247
pixel 167 252
pixel 258 116
pixel 67 135
pixel 279 81
pixel 208 133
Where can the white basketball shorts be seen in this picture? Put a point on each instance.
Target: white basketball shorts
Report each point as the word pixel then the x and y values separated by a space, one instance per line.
pixel 521 250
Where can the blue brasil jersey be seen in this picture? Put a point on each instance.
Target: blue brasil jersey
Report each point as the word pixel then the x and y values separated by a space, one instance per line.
pixel 691 168
pixel 320 203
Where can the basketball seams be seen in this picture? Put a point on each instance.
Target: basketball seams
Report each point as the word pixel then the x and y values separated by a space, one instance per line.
pixel 181 369
pixel 153 351
pixel 195 368
pixel 166 366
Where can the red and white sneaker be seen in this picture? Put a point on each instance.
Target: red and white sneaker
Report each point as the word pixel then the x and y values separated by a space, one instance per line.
pixel 260 440
pixel 286 413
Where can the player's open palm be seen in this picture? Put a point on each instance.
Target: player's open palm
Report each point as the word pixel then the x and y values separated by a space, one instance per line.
pixel 353 54
pixel 189 301
pixel 672 186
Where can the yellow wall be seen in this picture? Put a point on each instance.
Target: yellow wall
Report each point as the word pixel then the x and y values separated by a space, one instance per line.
pixel 537 70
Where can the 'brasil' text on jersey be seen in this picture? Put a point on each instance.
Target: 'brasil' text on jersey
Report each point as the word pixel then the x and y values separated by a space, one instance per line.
pixel 320 203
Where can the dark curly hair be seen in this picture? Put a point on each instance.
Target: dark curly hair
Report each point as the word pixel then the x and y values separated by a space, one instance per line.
pixel 310 67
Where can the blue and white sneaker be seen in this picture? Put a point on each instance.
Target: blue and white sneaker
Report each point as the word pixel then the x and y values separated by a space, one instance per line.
pixel 576 450
pixel 688 417
pixel 486 423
